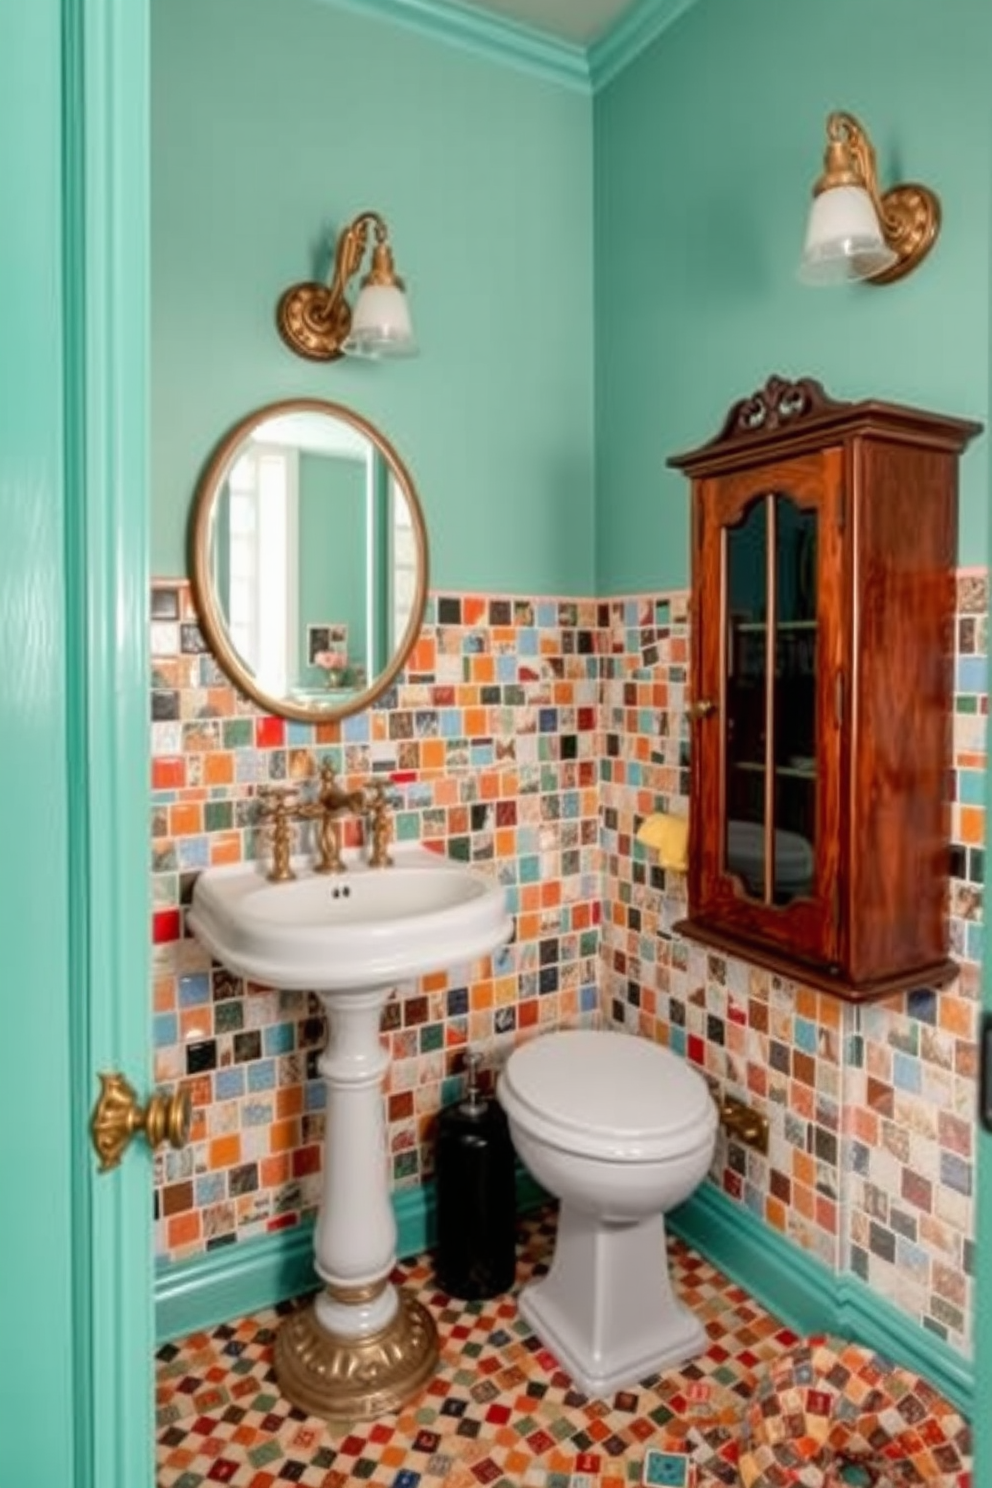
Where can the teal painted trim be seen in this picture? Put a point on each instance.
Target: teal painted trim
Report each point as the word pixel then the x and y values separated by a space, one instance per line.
pixel 416 1219
pixel 791 1283
pixel 866 1315
pixel 525 48
pixel 494 37
pixel 107 248
pixel 811 1298
pixel 243 1278
pixel 636 30
pixel 239 1279
pixel 75 688
pixel 232 1282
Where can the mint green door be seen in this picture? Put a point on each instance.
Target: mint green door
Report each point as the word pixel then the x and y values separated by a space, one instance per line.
pixel 75 1251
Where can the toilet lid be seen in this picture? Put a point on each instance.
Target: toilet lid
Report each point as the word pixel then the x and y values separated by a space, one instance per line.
pixel 607 1095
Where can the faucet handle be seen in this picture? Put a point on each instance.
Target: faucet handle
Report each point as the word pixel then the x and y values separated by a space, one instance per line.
pixel 278 808
pixel 328 775
pixel 275 799
pixel 380 823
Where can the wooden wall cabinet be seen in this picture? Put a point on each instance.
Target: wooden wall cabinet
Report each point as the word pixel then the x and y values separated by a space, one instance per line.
pixel 824 546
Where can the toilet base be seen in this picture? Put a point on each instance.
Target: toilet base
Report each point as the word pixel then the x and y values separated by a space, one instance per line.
pixel 606 1308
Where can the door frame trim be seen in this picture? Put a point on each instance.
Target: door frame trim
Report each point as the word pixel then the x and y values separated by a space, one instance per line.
pixel 105 251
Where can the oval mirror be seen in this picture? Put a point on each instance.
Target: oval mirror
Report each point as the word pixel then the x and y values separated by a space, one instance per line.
pixel 309 559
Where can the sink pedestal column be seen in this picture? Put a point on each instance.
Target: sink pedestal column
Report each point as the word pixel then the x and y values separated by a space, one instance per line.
pixel 363 1347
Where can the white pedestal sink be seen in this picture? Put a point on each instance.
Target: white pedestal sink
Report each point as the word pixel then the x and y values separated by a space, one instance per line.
pixel 365 1346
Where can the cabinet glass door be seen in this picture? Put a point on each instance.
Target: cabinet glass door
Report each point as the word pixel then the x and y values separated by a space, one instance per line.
pixel 769 696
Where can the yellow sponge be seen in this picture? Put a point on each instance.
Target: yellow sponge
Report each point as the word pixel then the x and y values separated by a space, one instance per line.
pixel 670 835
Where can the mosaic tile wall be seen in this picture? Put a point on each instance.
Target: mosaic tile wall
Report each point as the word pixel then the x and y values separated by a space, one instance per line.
pixel 529 737
pixel 491 747
pixel 871 1159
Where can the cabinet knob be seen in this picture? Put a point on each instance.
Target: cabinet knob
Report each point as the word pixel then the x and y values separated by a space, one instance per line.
pixel 702 708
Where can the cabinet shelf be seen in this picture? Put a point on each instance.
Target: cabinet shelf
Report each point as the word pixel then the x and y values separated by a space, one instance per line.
pixel 792 772
pixel 742 627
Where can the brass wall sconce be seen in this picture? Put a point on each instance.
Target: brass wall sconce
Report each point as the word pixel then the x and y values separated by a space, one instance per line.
pixel 854 232
pixel 316 321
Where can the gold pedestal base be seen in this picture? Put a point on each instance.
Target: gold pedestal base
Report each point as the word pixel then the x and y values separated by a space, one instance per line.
pixel 349 1379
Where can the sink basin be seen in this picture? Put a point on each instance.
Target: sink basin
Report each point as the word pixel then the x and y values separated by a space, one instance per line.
pixel 357 930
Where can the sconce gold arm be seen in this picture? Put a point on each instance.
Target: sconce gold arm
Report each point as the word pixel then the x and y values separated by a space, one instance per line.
pixel 314 319
pixel 117 1117
pixel 908 214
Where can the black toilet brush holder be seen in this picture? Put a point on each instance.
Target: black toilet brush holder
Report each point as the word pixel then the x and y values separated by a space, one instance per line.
pixel 475 1186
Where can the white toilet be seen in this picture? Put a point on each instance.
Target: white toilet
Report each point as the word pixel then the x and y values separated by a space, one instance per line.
pixel 620 1130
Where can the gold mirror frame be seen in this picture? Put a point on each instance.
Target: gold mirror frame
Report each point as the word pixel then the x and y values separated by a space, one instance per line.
pixel 212 620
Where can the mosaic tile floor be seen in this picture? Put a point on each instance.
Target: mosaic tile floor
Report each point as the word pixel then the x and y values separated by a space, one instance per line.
pixel 500 1413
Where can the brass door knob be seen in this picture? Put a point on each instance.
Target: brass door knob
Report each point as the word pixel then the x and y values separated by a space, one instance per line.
pixel 701 709
pixel 117 1117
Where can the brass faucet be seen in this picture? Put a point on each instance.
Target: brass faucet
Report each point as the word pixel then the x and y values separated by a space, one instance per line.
pixel 276 808
pixel 380 824
pixel 279 808
pixel 330 805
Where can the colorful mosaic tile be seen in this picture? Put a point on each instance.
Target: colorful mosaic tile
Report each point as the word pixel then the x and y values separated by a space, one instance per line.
pixel 831 1412
pixel 502 1412
pixel 529 736
pixel 871 1110
pixel 489 745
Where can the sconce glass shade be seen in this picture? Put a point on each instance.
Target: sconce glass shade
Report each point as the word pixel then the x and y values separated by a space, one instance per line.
pixel 843 238
pixel 315 319
pixel 380 323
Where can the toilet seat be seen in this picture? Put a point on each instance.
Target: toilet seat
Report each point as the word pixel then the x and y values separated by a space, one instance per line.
pixel 612 1096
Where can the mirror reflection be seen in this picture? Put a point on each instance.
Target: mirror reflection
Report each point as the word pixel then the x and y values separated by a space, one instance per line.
pixel 309 559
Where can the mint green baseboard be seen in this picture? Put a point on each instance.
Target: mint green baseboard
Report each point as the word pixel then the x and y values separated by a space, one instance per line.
pixel 239 1279
pixel 232 1282
pixel 809 1297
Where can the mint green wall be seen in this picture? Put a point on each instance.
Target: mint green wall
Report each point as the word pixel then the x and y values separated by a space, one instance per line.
pixel 272 125
pixel 333 548
pixel 706 147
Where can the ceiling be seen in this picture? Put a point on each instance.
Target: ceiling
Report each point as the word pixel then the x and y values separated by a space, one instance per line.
pixel 576 21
